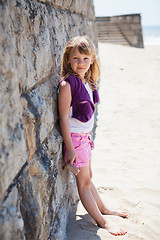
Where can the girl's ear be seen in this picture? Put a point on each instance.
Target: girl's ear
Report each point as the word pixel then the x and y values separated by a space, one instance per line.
pixel 92 60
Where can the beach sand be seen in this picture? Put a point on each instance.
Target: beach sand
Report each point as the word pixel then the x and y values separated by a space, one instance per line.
pixel 126 158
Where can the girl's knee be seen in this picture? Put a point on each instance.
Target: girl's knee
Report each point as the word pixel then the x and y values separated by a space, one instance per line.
pixel 84 179
pixel 85 185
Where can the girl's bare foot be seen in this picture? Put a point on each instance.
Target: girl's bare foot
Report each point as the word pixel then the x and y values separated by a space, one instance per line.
pixel 114 230
pixel 123 214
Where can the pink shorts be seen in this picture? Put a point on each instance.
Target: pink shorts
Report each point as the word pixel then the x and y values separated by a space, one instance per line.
pixel 83 146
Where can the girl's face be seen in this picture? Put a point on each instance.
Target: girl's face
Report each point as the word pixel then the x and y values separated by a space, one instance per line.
pixel 80 63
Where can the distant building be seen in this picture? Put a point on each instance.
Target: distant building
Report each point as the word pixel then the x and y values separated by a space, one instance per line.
pixel 122 29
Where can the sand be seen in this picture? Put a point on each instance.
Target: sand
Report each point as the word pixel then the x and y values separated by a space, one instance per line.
pixel 126 158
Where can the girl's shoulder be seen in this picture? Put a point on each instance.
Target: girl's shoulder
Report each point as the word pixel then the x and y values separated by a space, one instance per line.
pixel 73 80
pixel 63 84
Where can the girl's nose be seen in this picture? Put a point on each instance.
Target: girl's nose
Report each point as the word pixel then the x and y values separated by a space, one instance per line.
pixel 80 61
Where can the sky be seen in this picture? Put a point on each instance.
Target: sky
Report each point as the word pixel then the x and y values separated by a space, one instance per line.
pixel 149 9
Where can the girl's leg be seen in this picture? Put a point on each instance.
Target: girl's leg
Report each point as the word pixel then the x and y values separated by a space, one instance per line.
pixel 103 209
pixel 88 201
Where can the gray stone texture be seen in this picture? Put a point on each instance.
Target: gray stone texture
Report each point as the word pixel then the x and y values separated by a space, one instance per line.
pixel 36 189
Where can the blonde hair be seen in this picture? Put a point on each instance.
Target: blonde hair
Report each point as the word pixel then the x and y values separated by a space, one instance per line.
pixel 84 46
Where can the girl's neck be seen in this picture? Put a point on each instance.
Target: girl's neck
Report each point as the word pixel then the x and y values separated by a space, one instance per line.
pixel 83 79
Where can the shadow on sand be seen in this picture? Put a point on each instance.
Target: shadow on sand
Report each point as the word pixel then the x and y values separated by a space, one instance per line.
pixel 81 227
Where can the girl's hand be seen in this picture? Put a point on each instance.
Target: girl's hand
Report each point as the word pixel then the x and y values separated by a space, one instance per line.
pixel 71 156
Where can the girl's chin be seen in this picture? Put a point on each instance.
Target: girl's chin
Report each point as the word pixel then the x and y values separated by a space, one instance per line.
pixel 81 72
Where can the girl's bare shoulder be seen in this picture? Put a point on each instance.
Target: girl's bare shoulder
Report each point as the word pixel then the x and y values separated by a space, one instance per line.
pixel 64 87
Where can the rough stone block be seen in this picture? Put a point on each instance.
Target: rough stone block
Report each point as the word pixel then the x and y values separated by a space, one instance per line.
pixel 11 221
pixel 13 151
pixel 40 114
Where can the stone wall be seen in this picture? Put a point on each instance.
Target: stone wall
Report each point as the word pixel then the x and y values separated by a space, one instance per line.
pixel 36 190
pixel 127 29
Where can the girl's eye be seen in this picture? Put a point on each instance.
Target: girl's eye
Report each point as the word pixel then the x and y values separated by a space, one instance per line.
pixel 86 58
pixel 75 58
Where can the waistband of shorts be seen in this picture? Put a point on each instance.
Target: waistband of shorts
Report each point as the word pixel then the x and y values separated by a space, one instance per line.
pixel 81 134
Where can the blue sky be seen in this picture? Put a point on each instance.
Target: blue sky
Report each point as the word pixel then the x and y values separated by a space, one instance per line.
pixel 149 9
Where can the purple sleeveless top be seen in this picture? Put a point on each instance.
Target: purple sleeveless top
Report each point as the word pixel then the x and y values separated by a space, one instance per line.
pixel 82 106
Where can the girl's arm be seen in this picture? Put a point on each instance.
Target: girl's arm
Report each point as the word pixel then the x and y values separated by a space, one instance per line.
pixel 64 101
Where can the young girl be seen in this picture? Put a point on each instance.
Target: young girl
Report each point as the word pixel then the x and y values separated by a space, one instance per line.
pixel 77 97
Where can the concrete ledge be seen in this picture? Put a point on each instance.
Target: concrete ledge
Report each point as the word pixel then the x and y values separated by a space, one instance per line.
pixel 126 27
